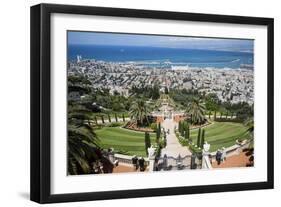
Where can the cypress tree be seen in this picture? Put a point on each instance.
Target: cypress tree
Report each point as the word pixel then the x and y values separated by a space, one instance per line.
pixel 116 118
pixel 203 138
pixel 180 127
pixel 198 137
pixel 147 141
pixel 109 118
pixel 158 132
pixel 186 134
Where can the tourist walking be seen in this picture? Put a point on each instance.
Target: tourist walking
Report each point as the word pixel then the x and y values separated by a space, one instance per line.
pixel 218 156
pixel 223 156
pixel 135 162
pixel 210 158
pixel 165 162
pixel 141 164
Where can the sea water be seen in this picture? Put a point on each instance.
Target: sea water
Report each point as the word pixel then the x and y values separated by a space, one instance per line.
pixel 157 56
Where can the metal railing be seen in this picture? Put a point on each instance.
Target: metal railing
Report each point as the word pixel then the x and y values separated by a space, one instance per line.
pixel 178 163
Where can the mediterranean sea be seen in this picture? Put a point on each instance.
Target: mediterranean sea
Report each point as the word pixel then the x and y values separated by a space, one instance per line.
pixel 159 56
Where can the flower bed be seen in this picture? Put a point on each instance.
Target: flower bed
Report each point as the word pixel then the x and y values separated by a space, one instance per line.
pixel 133 126
pixel 198 126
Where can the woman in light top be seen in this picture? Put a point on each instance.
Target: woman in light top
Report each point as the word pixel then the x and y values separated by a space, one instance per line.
pixel 223 156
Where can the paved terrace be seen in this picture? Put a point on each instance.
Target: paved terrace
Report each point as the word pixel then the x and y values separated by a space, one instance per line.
pixel 173 147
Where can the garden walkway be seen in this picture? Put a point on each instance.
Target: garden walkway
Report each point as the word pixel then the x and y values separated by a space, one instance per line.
pixel 240 160
pixel 173 147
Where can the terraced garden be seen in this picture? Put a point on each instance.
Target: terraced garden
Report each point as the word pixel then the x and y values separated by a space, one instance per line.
pixel 218 135
pixel 123 140
pixel 222 134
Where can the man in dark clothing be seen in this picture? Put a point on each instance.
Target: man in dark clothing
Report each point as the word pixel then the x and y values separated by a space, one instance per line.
pixel 210 158
pixel 218 157
pixel 135 162
pixel 141 164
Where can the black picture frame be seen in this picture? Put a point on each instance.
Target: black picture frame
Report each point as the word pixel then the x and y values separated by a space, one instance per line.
pixel 40 102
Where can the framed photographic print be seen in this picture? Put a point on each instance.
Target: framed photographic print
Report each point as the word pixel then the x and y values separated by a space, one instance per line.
pixel 132 103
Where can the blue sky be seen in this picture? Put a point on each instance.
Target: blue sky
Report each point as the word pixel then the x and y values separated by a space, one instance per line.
pixel 97 38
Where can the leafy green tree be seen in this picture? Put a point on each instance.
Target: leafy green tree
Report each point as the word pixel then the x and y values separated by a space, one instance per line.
pixel 109 118
pixel 148 92
pixel 123 116
pixel 154 126
pixel 78 83
pixel 155 92
pixel 102 119
pixel 78 79
pixel 249 123
pixel 196 109
pixel 245 111
pixel 212 102
pixel 116 118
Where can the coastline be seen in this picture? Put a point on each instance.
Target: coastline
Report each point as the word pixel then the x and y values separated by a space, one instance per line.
pixel 164 66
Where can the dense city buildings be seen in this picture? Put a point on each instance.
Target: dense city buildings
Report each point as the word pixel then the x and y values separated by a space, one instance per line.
pixel 233 85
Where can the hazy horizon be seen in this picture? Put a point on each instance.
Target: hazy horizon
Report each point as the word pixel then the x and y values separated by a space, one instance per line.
pixel 161 41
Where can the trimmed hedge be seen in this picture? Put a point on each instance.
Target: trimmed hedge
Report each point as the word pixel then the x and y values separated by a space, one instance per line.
pixel 229 120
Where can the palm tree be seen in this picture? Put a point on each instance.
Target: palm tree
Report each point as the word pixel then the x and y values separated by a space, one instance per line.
pixel 83 144
pixel 140 111
pixel 196 109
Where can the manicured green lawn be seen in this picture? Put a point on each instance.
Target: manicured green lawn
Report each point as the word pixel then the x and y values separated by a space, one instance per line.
pixel 221 134
pixel 127 141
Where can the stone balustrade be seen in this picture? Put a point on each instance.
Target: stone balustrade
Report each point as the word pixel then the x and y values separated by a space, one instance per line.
pixel 127 159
